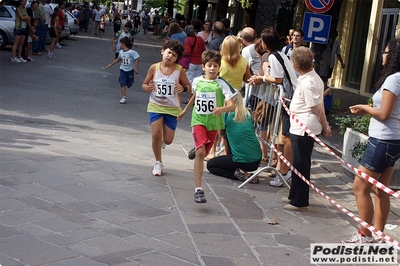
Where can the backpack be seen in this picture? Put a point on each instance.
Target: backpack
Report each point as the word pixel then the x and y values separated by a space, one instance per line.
pixel 288 47
pixel 287 82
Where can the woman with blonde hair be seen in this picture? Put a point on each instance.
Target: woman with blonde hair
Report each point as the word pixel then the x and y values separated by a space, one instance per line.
pixel 244 153
pixel 234 67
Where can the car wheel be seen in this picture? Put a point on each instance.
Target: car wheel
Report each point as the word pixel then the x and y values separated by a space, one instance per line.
pixel 3 40
pixel 48 38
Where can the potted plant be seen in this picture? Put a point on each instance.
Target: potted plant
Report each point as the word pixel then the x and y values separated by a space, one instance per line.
pixel 355 131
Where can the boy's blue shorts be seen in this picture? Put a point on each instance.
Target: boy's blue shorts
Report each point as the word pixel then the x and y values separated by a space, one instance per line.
pixel 169 120
pixel 126 78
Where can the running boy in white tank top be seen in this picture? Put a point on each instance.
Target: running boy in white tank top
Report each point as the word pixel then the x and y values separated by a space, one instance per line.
pixel 165 81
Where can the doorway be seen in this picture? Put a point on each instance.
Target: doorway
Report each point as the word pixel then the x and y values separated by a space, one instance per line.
pixel 387 30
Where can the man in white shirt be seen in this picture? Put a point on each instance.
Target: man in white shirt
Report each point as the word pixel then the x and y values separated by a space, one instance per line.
pixel 253 60
pixel 97 14
pixel 48 10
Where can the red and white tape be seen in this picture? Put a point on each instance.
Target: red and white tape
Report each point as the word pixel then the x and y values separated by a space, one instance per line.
pixel 371 180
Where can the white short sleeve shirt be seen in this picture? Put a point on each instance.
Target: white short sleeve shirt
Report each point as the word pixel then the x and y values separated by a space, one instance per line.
pixel 309 93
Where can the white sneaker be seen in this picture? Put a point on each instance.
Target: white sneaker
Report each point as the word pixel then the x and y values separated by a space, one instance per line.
pixel 277 182
pixel 14 60
pixel 158 168
pixel 51 56
pixel 163 145
pixel 58 46
pixel 123 100
pixel 358 239
pixel 22 60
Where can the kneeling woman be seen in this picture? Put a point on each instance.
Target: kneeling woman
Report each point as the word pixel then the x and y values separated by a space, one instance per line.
pixel 244 152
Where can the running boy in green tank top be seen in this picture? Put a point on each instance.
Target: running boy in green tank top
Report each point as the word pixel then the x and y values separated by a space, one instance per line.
pixel 210 92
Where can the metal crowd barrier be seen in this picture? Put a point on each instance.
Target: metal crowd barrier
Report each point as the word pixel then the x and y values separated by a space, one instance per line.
pixel 270 93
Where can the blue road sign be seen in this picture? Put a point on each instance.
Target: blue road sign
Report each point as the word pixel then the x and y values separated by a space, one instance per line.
pixel 316 27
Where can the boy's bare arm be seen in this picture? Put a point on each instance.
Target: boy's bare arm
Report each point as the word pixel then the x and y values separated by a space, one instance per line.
pixel 186 109
pixel 148 84
pixel 229 107
pixel 137 66
pixel 113 63
pixel 184 80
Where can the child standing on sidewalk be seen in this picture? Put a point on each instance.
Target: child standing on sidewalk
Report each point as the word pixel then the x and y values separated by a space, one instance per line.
pixel 129 64
pixel 31 38
pixel 209 94
pixel 165 81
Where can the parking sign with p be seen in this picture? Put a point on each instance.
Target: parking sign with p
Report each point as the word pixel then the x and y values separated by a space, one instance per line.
pixel 316 27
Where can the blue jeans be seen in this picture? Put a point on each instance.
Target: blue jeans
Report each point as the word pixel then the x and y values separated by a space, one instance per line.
pixel 380 154
pixel 86 22
pixel 42 37
pixel 39 32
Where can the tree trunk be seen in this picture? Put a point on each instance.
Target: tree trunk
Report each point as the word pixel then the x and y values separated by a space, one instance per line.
pixel 171 7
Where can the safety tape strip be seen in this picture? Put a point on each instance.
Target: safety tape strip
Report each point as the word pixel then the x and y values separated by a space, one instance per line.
pixel 371 228
pixel 333 202
pixel 370 179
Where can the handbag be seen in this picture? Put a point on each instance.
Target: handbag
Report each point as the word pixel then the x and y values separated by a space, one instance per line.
pixel 263 114
pixel 185 59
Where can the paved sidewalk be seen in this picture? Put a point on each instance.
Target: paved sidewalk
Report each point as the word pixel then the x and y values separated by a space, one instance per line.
pixel 71 198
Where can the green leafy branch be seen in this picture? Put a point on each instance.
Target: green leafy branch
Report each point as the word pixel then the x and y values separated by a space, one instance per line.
pixel 246 4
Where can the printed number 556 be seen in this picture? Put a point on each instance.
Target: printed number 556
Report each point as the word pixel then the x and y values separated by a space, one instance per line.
pixel 204 106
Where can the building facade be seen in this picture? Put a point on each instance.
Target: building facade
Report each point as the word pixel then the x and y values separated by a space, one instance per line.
pixel 364 27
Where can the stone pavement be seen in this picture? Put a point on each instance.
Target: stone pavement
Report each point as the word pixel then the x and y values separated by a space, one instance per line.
pixel 72 198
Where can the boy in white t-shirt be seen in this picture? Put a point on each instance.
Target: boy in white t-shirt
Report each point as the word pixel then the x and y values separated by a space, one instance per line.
pixel 129 64
pixel 118 36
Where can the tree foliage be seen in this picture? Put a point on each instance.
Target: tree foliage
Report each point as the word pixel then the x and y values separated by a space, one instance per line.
pixel 157 3
pixel 164 4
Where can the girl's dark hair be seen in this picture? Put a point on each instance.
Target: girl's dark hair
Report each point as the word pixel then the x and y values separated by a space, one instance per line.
pixel 55 12
pixel 258 47
pixel 196 23
pixel 271 39
pixel 392 62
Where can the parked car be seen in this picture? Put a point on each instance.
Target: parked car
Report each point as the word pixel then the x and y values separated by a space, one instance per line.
pixel 7 24
pixel 72 22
